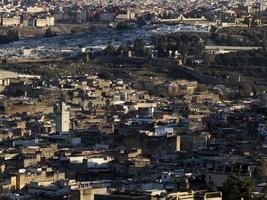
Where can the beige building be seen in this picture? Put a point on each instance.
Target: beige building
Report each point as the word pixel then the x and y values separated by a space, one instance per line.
pixel 180 87
pixel 124 16
pixel 191 142
pixel 205 96
pixel 218 169
pixel 7 184
pixel 86 193
pixel 29 108
pixel 31 160
pixel 43 178
pixel 10 21
pixel 18 181
pixel 44 22
pixel 37 9
pixel 201 195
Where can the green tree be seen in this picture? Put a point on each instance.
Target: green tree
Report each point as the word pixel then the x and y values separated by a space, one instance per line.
pixel 201 88
pixel 110 50
pixel 10 36
pixel 122 26
pixel 50 33
pixel 139 47
pixel 123 50
pixel 235 189
pixel 246 88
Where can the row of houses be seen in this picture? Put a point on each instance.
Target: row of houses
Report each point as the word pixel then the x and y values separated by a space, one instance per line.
pixel 33 22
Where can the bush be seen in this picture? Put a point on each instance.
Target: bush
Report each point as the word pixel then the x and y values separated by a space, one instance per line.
pixel 10 36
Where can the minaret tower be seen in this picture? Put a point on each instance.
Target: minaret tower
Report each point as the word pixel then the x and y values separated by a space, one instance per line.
pixel 62 118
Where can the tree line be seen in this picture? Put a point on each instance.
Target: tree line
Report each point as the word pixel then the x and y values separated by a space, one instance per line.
pixel 10 36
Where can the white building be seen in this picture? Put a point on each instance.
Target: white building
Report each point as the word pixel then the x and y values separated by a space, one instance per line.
pixel 164 130
pixel 99 162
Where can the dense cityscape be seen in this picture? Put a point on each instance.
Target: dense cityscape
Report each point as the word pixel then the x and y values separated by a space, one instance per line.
pixel 133 100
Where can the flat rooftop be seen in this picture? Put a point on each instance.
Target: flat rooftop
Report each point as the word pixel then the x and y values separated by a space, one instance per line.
pixel 7 74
